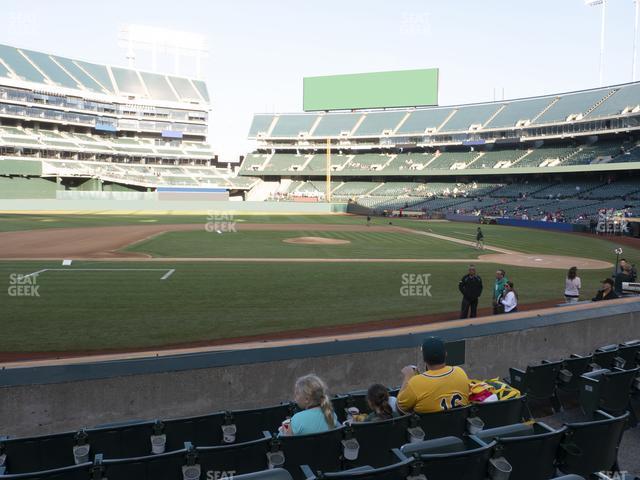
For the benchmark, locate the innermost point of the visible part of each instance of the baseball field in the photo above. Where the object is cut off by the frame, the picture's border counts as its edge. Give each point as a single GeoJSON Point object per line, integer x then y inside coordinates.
{"type": "Point", "coordinates": [144, 281]}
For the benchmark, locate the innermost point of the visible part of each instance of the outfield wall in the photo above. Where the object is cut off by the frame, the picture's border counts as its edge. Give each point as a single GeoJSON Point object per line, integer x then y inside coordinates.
{"type": "Point", "coordinates": [64, 395]}
{"type": "Point", "coordinates": [149, 203]}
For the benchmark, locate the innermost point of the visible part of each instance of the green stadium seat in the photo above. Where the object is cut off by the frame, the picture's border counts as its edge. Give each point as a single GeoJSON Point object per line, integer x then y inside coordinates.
{"type": "Point", "coordinates": [592, 446]}
{"type": "Point", "coordinates": [377, 439]}
{"type": "Point", "coordinates": [530, 449]}
{"type": "Point", "coordinates": [320, 451]}
{"type": "Point", "coordinates": [607, 390]}
{"type": "Point", "coordinates": [503, 412]}
{"type": "Point", "coordinates": [452, 457]}
{"type": "Point", "coordinates": [403, 469]}
{"type": "Point", "coordinates": [538, 382]}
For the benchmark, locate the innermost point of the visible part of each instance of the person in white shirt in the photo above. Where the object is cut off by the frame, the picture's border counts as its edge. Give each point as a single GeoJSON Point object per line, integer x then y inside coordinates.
{"type": "Point", "coordinates": [572, 286]}
{"type": "Point", "coordinates": [509, 298]}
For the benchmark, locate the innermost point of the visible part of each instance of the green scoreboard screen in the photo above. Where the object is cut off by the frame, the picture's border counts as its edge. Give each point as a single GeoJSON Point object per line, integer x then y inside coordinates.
{"type": "Point", "coordinates": [407, 88]}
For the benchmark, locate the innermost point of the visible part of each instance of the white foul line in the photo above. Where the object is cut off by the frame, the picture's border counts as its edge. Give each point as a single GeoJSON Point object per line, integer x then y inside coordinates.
{"type": "Point", "coordinates": [168, 274]}
{"type": "Point", "coordinates": [164, 277]}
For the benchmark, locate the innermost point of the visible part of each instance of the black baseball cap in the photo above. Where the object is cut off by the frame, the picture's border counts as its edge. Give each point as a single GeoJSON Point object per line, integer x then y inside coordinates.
{"type": "Point", "coordinates": [434, 351]}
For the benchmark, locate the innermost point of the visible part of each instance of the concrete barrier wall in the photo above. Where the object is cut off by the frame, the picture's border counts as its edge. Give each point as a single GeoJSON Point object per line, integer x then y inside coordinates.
{"type": "Point", "coordinates": [40, 400]}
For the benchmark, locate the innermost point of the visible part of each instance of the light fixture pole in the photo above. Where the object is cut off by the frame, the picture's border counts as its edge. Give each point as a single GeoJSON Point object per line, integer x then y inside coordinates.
{"type": "Point", "coordinates": [593, 3]}
{"type": "Point", "coordinates": [635, 40]}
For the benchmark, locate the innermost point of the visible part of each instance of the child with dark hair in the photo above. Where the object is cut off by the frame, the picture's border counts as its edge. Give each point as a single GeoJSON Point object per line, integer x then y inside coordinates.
{"type": "Point", "coordinates": [378, 400]}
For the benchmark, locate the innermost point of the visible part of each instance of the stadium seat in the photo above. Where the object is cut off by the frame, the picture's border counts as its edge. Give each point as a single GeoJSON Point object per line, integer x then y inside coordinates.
{"type": "Point", "coordinates": [630, 353]}
{"type": "Point", "coordinates": [405, 468]}
{"type": "Point", "coordinates": [163, 466]}
{"type": "Point", "coordinates": [251, 423]}
{"type": "Point", "coordinates": [451, 457]}
{"type": "Point", "coordinates": [377, 439]}
{"type": "Point", "coordinates": [605, 357]}
{"type": "Point", "coordinates": [321, 451]}
{"type": "Point", "coordinates": [504, 412]}
{"type": "Point", "coordinates": [576, 365]}
{"type": "Point", "coordinates": [275, 474]}
{"type": "Point", "coordinates": [203, 430]}
{"type": "Point", "coordinates": [239, 458]}
{"type": "Point", "coordinates": [82, 471]}
{"type": "Point", "coordinates": [538, 382]}
{"type": "Point", "coordinates": [354, 399]}
{"type": "Point", "coordinates": [608, 390]}
{"type": "Point", "coordinates": [569, 378]}
{"type": "Point", "coordinates": [42, 453]}
{"type": "Point", "coordinates": [447, 423]}
{"type": "Point", "coordinates": [592, 446]}
{"type": "Point", "coordinates": [530, 449]}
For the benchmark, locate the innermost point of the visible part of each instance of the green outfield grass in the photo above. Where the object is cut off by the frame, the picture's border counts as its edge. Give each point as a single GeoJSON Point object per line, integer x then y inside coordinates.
{"type": "Point", "coordinates": [78, 310]}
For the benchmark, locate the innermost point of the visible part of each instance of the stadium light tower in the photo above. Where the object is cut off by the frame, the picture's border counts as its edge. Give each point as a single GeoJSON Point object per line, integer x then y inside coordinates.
{"type": "Point", "coordinates": [164, 41]}
{"type": "Point", "coordinates": [593, 3]}
{"type": "Point", "coordinates": [635, 41]}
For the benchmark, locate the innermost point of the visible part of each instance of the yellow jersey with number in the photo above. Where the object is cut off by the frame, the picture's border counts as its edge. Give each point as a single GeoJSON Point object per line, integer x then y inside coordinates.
{"type": "Point", "coordinates": [435, 390]}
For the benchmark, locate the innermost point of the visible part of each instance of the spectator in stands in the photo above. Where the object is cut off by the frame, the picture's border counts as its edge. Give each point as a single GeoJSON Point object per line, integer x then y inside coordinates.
{"type": "Point", "coordinates": [626, 275]}
{"type": "Point", "coordinates": [379, 403]}
{"type": "Point", "coordinates": [439, 388]}
{"type": "Point", "coordinates": [498, 290]}
{"type": "Point", "coordinates": [606, 292]}
{"type": "Point", "coordinates": [479, 239]}
{"type": "Point", "coordinates": [316, 415]}
{"type": "Point", "coordinates": [509, 299]}
{"type": "Point", "coordinates": [471, 288]}
{"type": "Point", "coordinates": [572, 286]}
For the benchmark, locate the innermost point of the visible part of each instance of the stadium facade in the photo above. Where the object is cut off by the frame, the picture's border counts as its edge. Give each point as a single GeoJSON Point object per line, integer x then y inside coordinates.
{"type": "Point", "coordinates": [571, 153]}
{"type": "Point", "coordinates": [74, 126]}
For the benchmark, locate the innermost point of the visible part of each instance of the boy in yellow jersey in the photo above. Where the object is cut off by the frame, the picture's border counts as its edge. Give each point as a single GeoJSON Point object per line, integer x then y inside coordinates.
{"type": "Point", "coordinates": [440, 388]}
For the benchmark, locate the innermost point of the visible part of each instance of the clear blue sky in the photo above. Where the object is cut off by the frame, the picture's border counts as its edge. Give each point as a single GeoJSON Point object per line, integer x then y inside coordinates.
{"type": "Point", "coordinates": [260, 50]}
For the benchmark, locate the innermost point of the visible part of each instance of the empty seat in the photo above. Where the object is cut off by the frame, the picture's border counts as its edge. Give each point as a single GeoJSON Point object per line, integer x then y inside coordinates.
{"type": "Point", "coordinates": [607, 390]}
{"type": "Point", "coordinates": [321, 451]}
{"type": "Point", "coordinates": [251, 423]}
{"type": "Point", "coordinates": [35, 454]}
{"type": "Point", "coordinates": [605, 356]}
{"type": "Point", "coordinates": [530, 449]}
{"type": "Point", "coordinates": [275, 474]}
{"type": "Point", "coordinates": [630, 353]}
{"type": "Point", "coordinates": [205, 430]}
{"type": "Point", "coordinates": [451, 422]}
{"type": "Point", "coordinates": [405, 468]}
{"type": "Point", "coordinates": [504, 412]}
{"type": "Point", "coordinates": [163, 466]}
{"type": "Point", "coordinates": [576, 365]}
{"type": "Point", "coordinates": [539, 382]}
{"type": "Point", "coordinates": [239, 458]}
{"type": "Point", "coordinates": [377, 439]}
{"type": "Point", "coordinates": [590, 447]}
{"type": "Point", "coordinates": [75, 472]}
{"type": "Point", "coordinates": [451, 457]}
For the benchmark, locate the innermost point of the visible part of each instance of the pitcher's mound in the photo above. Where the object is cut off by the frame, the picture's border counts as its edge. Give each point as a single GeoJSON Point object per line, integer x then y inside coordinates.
{"type": "Point", "coordinates": [315, 241]}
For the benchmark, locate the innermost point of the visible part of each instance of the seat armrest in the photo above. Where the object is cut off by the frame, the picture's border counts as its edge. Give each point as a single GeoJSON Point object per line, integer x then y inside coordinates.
{"type": "Point", "coordinates": [307, 472]}
{"type": "Point", "coordinates": [398, 454]}
{"type": "Point", "coordinates": [604, 415]}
